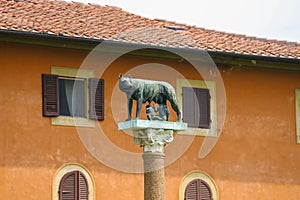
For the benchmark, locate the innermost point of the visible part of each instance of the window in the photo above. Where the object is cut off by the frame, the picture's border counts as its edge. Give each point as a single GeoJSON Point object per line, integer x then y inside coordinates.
{"type": "Point", "coordinates": [67, 90]}
{"type": "Point", "coordinates": [73, 182]}
{"type": "Point", "coordinates": [197, 100]}
{"type": "Point", "coordinates": [73, 186]}
{"type": "Point", "coordinates": [197, 190]}
{"type": "Point", "coordinates": [68, 98]}
{"type": "Point", "coordinates": [198, 185]}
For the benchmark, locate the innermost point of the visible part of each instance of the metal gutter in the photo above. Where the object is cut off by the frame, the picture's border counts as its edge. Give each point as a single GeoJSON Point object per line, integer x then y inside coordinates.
{"type": "Point", "coordinates": [255, 57]}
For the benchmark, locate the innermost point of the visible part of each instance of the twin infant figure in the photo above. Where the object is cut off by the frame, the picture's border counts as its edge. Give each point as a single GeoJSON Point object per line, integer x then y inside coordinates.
{"type": "Point", "coordinates": [160, 113]}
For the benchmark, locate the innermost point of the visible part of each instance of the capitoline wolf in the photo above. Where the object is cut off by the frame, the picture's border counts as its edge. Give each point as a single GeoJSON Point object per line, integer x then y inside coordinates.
{"type": "Point", "coordinates": [143, 91]}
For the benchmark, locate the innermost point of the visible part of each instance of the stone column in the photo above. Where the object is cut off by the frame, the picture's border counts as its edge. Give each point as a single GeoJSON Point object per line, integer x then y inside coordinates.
{"type": "Point", "coordinates": [154, 177]}
{"type": "Point", "coordinates": [153, 136]}
{"type": "Point", "coordinates": [153, 140]}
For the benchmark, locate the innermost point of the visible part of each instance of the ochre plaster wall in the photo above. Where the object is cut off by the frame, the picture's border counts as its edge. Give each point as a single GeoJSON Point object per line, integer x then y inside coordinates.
{"type": "Point", "coordinates": [256, 156]}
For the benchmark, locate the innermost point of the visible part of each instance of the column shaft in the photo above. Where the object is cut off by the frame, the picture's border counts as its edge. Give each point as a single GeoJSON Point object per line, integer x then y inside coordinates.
{"type": "Point", "coordinates": [154, 178]}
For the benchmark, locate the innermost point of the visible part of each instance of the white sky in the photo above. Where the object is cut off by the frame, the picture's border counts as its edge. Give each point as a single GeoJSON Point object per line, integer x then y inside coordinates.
{"type": "Point", "coordinates": [273, 19]}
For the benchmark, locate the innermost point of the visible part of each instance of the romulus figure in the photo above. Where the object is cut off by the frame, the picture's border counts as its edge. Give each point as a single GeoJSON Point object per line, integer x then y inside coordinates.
{"type": "Point", "coordinates": [162, 112]}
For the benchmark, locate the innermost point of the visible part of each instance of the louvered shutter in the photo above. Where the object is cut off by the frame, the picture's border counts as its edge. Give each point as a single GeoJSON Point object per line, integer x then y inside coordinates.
{"type": "Point", "coordinates": [73, 186]}
{"type": "Point", "coordinates": [191, 192]}
{"type": "Point", "coordinates": [205, 192]}
{"type": "Point", "coordinates": [68, 188]}
{"type": "Point", "coordinates": [203, 97]}
{"type": "Point", "coordinates": [198, 190]}
{"type": "Point", "coordinates": [96, 98]}
{"type": "Point", "coordinates": [190, 107]}
{"type": "Point", "coordinates": [196, 107]}
{"type": "Point", "coordinates": [50, 95]}
{"type": "Point", "coordinates": [83, 187]}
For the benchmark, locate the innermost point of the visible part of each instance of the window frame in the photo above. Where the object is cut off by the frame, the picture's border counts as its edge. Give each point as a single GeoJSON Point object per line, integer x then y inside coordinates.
{"type": "Point", "coordinates": [198, 175]}
{"type": "Point", "coordinates": [71, 120]}
{"type": "Point", "coordinates": [85, 85]}
{"type": "Point", "coordinates": [212, 131]}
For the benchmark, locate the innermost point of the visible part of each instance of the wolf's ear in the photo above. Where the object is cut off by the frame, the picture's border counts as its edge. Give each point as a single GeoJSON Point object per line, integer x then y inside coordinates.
{"type": "Point", "coordinates": [120, 76]}
{"type": "Point", "coordinates": [130, 78]}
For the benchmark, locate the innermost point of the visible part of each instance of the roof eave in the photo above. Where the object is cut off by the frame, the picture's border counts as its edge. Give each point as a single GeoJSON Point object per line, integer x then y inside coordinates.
{"type": "Point", "coordinates": [221, 58]}
{"type": "Point", "coordinates": [247, 60]}
{"type": "Point", "coordinates": [48, 40]}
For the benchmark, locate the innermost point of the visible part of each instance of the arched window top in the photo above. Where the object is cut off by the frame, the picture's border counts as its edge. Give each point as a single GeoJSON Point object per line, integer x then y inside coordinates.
{"type": "Point", "coordinates": [73, 186]}
{"type": "Point", "coordinates": [197, 189]}
{"type": "Point", "coordinates": [73, 181]}
{"type": "Point", "coordinates": [198, 185]}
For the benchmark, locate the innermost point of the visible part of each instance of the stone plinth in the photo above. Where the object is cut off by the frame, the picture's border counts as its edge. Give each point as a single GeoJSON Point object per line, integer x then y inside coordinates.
{"type": "Point", "coordinates": [143, 124]}
{"type": "Point", "coordinates": [153, 136]}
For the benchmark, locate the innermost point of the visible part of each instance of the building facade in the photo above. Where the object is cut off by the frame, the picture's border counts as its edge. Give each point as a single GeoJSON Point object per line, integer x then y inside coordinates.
{"type": "Point", "coordinates": [251, 113]}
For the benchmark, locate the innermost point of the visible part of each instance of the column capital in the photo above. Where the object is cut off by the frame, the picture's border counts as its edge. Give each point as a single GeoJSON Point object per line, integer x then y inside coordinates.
{"type": "Point", "coordinates": [153, 140]}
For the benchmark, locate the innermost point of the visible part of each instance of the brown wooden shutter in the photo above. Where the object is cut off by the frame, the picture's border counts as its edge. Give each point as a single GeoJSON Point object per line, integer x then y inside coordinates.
{"type": "Point", "coordinates": [83, 187]}
{"type": "Point", "coordinates": [189, 106]}
{"type": "Point", "coordinates": [191, 192]}
{"type": "Point", "coordinates": [196, 107]}
{"type": "Point", "coordinates": [96, 98]}
{"type": "Point", "coordinates": [67, 187]}
{"type": "Point", "coordinates": [205, 191]}
{"type": "Point", "coordinates": [50, 95]}
{"type": "Point", "coordinates": [73, 186]}
{"type": "Point", "coordinates": [203, 97]}
{"type": "Point", "coordinates": [198, 190]}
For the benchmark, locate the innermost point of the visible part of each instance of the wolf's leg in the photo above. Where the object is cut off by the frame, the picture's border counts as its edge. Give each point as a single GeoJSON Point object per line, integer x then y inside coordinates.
{"type": "Point", "coordinates": [175, 107]}
{"type": "Point", "coordinates": [138, 108]}
{"type": "Point", "coordinates": [129, 100]}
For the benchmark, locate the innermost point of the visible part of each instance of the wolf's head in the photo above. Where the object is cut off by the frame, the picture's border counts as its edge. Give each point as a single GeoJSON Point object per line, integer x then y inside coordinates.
{"type": "Point", "coordinates": [125, 84]}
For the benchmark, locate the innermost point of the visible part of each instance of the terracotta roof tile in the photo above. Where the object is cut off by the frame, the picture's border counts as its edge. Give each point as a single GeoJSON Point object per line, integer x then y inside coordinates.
{"type": "Point", "coordinates": [56, 17]}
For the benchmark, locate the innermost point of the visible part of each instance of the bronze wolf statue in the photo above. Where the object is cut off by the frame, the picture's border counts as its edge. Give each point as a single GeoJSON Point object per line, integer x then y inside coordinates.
{"type": "Point", "coordinates": [143, 91]}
